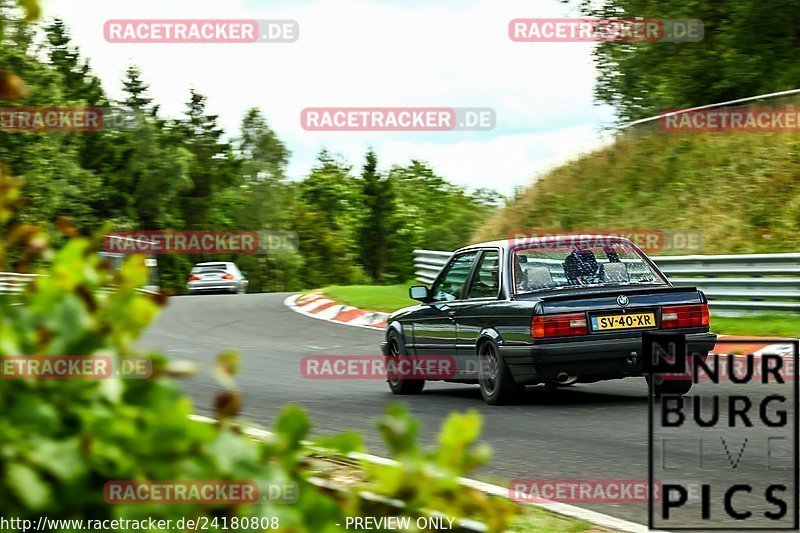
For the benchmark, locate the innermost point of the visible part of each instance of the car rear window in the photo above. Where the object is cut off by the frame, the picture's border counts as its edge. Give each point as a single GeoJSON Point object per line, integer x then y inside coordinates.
{"type": "Point", "coordinates": [552, 266]}
{"type": "Point", "coordinates": [209, 268]}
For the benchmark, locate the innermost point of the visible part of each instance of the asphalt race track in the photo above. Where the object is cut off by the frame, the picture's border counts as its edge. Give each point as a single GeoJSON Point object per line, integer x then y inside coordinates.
{"type": "Point", "coordinates": [590, 431]}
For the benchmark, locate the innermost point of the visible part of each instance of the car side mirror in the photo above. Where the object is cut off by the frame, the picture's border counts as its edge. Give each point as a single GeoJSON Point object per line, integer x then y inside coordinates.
{"type": "Point", "coordinates": [244, 273]}
{"type": "Point", "coordinates": [419, 292]}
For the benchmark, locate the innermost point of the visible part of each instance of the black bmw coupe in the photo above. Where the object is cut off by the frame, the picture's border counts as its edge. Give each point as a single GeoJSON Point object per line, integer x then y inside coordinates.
{"type": "Point", "coordinates": [552, 310]}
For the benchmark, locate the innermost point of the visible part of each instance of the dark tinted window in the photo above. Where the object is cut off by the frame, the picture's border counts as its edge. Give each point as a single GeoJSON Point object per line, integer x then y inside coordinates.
{"type": "Point", "coordinates": [486, 282]}
{"type": "Point", "coordinates": [217, 267]}
{"type": "Point", "coordinates": [452, 282]}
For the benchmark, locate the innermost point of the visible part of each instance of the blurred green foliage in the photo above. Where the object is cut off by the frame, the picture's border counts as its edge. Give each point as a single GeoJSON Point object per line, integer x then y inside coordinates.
{"type": "Point", "coordinates": [428, 479]}
{"type": "Point", "coordinates": [61, 440]}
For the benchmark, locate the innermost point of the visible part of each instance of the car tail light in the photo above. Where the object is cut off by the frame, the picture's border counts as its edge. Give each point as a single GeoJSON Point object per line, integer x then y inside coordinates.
{"type": "Point", "coordinates": [684, 316]}
{"type": "Point", "coordinates": [543, 326]}
{"type": "Point", "coordinates": [194, 278]}
{"type": "Point", "coordinates": [227, 276]}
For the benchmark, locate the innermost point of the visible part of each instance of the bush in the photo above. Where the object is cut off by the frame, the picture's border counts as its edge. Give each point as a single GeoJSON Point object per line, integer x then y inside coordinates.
{"type": "Point", "coordinates": [62, 440]}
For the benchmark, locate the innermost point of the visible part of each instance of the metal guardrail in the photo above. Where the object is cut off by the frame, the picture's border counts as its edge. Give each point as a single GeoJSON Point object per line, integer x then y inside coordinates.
{"type": "Point", "coordinates": [765, 96]}
{"type": "Point", "coordinates": [15, 283]}
{"type": "Point", "coordinates": [734, 284]}
{"type": "Point", "coordinates": [428, 263]}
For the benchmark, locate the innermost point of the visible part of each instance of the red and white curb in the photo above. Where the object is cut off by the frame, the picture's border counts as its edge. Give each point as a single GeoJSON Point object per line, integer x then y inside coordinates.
{"type": "Point", "coordinates": [757, 346]}
{"type": "Point", "coordinates": [315, 305]}
{"type": "Point", "coordinates": [570, 511]}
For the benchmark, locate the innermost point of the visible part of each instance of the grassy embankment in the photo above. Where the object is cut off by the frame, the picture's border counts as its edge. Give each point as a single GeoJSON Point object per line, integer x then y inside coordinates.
{"type": "Point", "coordinates": [741, 190]}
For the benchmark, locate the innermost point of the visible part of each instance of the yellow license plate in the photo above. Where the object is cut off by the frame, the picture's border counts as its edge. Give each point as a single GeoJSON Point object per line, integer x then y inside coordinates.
{"type": "Point", "coordinates": [629, 321]}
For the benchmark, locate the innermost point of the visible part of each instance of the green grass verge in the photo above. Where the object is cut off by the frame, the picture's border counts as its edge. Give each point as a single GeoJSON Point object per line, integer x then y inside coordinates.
{"type": "Point", "coordinates": [541, 521]}
{"type": "Point", "coordinates": [389, 298]}
{"type": "Point", "coordinates": [766, 325]}
{"type": "Point", "coordinates": [386, 298]}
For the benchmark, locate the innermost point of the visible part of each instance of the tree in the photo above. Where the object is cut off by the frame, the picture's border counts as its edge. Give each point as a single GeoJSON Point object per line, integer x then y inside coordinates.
{"type": "Point", "coordinates": [262, 148]}
{"type": "Point", "coordinates": [377, 229]}
{"type": "Point", "coordinates": [428, 196]}
{"type": "Point", "coordinates": [264, 198]}
{"type": "Point", "coordinates": [213, 167]}
{"type": "Point", "coordinates": [332, 192]}
{"type": "Point", "coordinates": [749, 47]}
{"type": "Point", "coordinates": [12, 85]}
{"type": "Point", "coordinates": [78, 83]}
{"type": "Point", "coordinates": [136, 90]}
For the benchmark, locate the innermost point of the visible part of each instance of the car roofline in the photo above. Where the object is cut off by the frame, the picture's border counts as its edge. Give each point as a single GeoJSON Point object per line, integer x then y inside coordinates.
{"type": "Point", "coordinates": [528, 242]}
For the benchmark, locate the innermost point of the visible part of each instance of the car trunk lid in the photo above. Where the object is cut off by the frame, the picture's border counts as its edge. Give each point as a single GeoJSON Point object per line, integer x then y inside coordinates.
{"type": "Point", "coordinates": [620, 309]}
{"type": "Point", "coordinates": [605, 298]}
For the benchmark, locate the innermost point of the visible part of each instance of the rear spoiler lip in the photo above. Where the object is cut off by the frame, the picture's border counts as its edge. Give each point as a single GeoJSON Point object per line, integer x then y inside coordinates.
{"type": "Point", "coordinates": [617, 292]}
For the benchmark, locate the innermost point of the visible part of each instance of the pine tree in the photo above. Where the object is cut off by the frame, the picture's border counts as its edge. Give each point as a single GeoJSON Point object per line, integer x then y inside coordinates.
{"type": "Point", "coordinates": [376, 227]}
{"type": "Point", "coordinates": [214, 166]}
{"type": "Point", "coordinates": [136, 90]}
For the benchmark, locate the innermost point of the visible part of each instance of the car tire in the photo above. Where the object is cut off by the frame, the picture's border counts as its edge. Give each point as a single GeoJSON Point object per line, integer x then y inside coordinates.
{"type": "Point", "coordinates": [678, 387]}
{"type": "Point", "coordinates": [395, 349]}
{"type": "Point", "coordinates": [494, 378]}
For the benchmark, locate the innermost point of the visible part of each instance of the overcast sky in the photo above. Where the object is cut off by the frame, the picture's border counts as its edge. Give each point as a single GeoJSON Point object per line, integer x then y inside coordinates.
{"type": "Point", "coordinates": [450, 53]}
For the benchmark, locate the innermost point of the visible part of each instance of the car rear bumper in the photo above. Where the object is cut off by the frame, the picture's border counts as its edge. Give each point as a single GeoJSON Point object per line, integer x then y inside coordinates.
{"type": "Point", "coordinates": [224, 285]}
{"type": "Point", "coordinates": [591, 360]}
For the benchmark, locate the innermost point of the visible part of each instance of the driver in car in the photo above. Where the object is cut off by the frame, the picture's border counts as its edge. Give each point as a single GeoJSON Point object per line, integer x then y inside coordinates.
{"type": "Point", "coordinates": [580, 267]}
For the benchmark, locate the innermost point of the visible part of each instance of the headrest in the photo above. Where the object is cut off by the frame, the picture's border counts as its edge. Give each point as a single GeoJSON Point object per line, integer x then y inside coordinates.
{"type": "Point", "coordinates": [615, 273]}
{"type": "Point", "coordinates": [538, 277]}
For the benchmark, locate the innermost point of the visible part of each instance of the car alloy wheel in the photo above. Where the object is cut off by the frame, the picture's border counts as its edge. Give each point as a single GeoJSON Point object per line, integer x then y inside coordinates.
{"type": "Point", "coordinates": [393, 355]}
{"type": "Point", "coordinates": [488, 368]}
{"type": "Point", "coordinates": [494, 377]}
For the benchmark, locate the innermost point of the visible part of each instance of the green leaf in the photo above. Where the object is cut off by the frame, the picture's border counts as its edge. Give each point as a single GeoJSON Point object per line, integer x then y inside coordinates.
{"type": "Point", "coordinates": [229, 449]}
{"type": "Point", "coordinates": [28, 486]}
{"type": "Point", "coordinates": [293, 423]}
{"type": "Point", "coordinates": [61, 459]}
{"type": "Point", "coordinates": [342, 443]}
